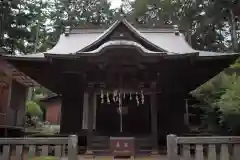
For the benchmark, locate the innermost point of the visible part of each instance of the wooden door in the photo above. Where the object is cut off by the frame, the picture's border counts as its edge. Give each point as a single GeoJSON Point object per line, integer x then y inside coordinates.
{"type": "Point", "coordinates": [137, 122]}
{"type": "Point", "coordinates": [107, 119]}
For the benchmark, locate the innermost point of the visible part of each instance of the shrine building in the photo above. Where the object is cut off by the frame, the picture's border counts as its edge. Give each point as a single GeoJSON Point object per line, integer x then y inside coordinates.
{"type": "Point", "coordinates": [122, 81]}
{"type": "Point", "coordinates": [13, 94]}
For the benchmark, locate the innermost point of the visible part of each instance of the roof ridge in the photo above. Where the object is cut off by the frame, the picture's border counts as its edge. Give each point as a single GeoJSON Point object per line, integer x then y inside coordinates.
{"type": "Point", "coordinates": [102, 28]}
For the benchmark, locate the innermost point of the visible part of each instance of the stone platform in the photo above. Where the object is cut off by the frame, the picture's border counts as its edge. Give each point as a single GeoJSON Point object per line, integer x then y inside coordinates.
{"type": "Point", "coordinates": [157, 157]}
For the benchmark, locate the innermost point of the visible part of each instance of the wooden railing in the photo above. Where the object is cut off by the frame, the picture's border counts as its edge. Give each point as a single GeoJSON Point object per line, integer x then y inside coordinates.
{"type": "Point", "coordinates": [203, 148]}
{"type": "Point", "coordinates": [27, 148]}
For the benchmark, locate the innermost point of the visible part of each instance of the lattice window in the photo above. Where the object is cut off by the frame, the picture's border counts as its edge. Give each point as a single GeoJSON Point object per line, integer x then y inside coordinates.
{"type": "Point", "coordinates": [192, 116]}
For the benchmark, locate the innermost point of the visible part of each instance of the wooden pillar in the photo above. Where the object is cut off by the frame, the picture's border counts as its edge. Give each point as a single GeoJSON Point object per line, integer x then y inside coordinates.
{"type": "Point", "coordinates": [172, 147]}
{"type": "Point", "coordinates": [90, 117]}
{"type": "Point", "coordinates": [186, 115]}
{"type": "Point", "coordinates": [85, 111]}
{"type": "Point", "coordinates": [154, 129]}
{"type": "Point", "coordinates": [72, 104]}
{"type": "Point", "coordinates": [94, 111]}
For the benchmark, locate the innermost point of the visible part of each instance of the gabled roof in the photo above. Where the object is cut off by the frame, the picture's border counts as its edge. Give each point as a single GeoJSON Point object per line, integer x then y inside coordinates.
{"type": "Point", "coordinates": [51, 97]}
{"type": "Point", "coordinates": [78, 41]}
{"type": "Point", "coordinates": [11, 72]}
{"type": "Point", "coordinates": [161, 39]}
{"type": "Point", "coordinates": [113, 28]}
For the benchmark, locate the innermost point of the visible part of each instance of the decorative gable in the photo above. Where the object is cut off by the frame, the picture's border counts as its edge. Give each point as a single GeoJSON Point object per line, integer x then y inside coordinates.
{"type": "Point", "coordinates": [122, 31]}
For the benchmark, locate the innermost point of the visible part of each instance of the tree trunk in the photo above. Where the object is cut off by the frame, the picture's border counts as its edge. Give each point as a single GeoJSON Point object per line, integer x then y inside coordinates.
{"type": "Point", "coordinates": [1, 22]}
{"type": "Point", "coordinates": [189, 37]}
{"type": "Point", "coordinates": [233, 31]}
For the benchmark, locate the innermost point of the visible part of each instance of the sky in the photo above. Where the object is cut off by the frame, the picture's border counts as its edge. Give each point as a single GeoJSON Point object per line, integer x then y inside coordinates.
{"type": "Point", "coordinates": [115, 3]}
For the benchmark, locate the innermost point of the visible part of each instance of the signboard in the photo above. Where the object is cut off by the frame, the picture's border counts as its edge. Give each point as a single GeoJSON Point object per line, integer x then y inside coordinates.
{"type": "Point", "coordinates": [122, 146]}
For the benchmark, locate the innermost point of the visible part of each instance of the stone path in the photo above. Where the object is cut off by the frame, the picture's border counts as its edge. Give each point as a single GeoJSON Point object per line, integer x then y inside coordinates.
{"type": "Point", "coordinates": [160, 157]}
{"type": "Point", "coordinates": [84, 157]}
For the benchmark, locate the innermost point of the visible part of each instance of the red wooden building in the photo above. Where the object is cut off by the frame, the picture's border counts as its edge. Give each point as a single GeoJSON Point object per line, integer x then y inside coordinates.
{"type": "Point", "coordinates": [13, 93]}
{"type": "Point", "coordinates": [122, 81]}
{"type": "Point", "coordinates": [52, 106]}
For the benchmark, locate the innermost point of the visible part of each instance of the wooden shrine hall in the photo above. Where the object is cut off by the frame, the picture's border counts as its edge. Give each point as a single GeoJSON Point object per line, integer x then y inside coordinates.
{"type": "Point", "coordinates": [122, 81]}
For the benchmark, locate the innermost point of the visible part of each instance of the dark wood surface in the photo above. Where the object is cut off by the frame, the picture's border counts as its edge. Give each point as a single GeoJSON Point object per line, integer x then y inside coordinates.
{"type": "Point", "coordinates": [122, 146]}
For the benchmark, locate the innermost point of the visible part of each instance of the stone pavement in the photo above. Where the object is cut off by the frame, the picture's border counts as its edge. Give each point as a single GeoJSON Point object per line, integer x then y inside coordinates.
{"type": "Point", "coordinates": [159, 157]}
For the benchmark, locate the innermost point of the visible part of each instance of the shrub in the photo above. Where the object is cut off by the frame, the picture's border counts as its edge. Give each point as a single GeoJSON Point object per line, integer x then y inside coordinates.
{"type": "Point", "coordinates": [229, 105]}
{"type": "Point", "coordinates": [222, 95]}
{"type": "Point", "coordinates": [44, 158]}
{"type": "Point", "coordinates": [34, 109]}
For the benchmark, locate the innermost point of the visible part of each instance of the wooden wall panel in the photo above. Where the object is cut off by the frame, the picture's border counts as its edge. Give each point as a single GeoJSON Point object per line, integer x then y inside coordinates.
{"type": "Point", "coordinates": [5, 86]}
{"type": "Point", "coordinates": [171, 109]}
{"type": "Point", "coordinates": [16, 110]}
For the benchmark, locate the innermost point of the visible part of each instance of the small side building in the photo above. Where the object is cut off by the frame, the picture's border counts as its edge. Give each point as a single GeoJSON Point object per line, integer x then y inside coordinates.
{"type": "Point", "coordinates": [52, 106]}
{"type": "Point", "coordinates": [13, 94]}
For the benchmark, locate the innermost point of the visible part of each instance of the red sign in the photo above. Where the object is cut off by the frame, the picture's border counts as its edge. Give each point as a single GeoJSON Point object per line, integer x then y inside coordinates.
{"type": "Point", "coordinates": [122, 146]}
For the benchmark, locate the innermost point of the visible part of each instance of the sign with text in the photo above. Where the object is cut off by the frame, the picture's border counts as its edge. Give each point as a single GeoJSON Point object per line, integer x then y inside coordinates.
{"type": "Point", "coordinates": [122, 146]}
